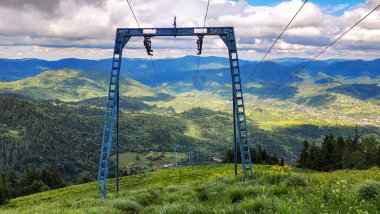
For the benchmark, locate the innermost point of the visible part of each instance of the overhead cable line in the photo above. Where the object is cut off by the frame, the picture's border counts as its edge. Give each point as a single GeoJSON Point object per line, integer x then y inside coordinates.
{"type": "Point", "coordinates": [151, 58]}
{"type": "Point", "coordinates": [156, 76]}
{"type": "Point", "coordinates": [327, 47]}
{"type": "Point", "coordinates": [199, 56]}
{"type": "Point", "coordinates": [275, 42]}
{"type": "Point", "coordinates": [130, 6]}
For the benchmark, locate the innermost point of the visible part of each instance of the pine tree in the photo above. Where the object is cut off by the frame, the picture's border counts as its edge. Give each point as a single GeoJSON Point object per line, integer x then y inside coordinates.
{"type": "Point", "coordinates": [327, 152]}
{"type": "Point", "coordinates": [303, 160]}
{"type": "Point", "coordinates": [338, 153]}
{"type": "Point", "coordinates": [314, 158]}
{"type": "Point", "coordinates": [370, 147]}
{"type": "Point", "coordinates": [347, 157]}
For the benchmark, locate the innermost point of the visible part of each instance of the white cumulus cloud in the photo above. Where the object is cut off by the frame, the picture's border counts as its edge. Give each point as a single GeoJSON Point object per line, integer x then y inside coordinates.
{"type": "Point", "coordinates": [54, 29]}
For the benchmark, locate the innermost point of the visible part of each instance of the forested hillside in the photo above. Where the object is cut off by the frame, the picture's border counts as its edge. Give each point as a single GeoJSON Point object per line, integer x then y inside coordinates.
{"type": "Point", "coordinates": [54, 118]}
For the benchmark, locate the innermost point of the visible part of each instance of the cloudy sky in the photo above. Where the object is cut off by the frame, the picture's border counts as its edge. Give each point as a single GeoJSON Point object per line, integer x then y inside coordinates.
{"type": "Point", "coordinates": [55, 29]}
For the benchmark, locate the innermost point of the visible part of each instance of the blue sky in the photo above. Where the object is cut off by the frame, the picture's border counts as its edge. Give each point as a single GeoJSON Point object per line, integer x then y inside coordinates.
{"type": "Point", "coordinates": [320, 2]}
{"type": "Point", "coordinates": [324, 3]}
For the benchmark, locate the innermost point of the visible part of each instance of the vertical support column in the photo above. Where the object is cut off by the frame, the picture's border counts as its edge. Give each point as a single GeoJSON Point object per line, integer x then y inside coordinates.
{"type": "Point", "coordinates": [123, 41]}
{"type": "Point", "coordinates": [112, 111]}
{"type": "Point", "coordinates": [240, 123]}
{"type": "Point", "coordinates": [117, 140]}
{"type": "Point", "coordinates": [235, 142]}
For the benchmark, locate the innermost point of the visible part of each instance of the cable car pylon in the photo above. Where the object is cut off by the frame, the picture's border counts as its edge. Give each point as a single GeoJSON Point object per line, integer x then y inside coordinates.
{"type": "Point", "coordinates": [123, 35]}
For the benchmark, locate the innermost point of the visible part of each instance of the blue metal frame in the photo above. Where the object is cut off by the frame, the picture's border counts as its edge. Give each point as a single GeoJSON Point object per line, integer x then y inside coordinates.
{"type": "Point", "coordinates": [112, 108]}
{"type": "Point", "coordinates": [189, 154]}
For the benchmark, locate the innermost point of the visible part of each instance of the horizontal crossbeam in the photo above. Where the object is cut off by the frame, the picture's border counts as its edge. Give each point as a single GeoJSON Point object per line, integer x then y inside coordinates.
{"type": "Point", "coordinates": [207, 31]}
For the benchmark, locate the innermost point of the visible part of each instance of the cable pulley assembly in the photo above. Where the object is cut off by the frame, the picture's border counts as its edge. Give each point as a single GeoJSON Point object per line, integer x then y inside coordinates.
{"type": "Point", "coordinates": [199, 44]}
{"type": "Point", "coordinates": [148, 45]}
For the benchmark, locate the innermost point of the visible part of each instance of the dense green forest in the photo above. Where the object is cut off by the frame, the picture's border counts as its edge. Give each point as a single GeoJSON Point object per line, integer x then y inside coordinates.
{"type": "Point", "coordinates": [36, 133]}
{"type": "Point", "coordinates": [334, 154]}
{"type": "Point", "coordinates": [259, 155]}
{"type": "Point", "coordinates": [13, 184]}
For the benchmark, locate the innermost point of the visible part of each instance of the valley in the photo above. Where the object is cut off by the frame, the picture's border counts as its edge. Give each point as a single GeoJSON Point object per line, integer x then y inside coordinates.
{"type": "Point", "coordinates": [74, 98]}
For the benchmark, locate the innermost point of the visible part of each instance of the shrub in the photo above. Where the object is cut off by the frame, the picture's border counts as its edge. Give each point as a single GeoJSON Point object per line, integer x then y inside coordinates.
{"type": "Point", "coordinates": [172, 188]}
{"type": "Point", "coordinates": [274, 178]}
{"type": "Point", "coordinates": [202, 194]}
{"type": "Point", "coordinates": [236, 194]}
{"type": "Point", "coordinates": [175, 208]}
{"type": "Point", "coordinates": [369, 191]}
{"type": "Point", "coordinates": [278, 190]}
{"type": "Point", "coordinates": [126, 205]}
{"type": "Point", "coordinates": [148, 197]}
{"type": "Point", "coordinates": [145, 198]}
{"type": "Point", "coordinates": [258, 205]}
{"type": "Point", "coordinates": [296, 181]}
{"type": "Point", "coordinates": [253, 205]}
{"type": "Point", "coordinates": [200, 209]}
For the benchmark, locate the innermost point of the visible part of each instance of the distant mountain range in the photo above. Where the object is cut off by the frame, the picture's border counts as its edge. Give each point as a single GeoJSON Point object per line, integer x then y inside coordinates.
{"type": "Point", "coordinates": [84, 79]}
{"type": "Point", "coordinates": [15, 69]}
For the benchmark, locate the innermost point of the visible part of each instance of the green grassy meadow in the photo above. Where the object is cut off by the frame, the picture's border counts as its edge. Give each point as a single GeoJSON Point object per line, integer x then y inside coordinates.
{"type": "Point", "coordinates": [148, 161]}
{"type": "Point", "coordinates": [214, 189]}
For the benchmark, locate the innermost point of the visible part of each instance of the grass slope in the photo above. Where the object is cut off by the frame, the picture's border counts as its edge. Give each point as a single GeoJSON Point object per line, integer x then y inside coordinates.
{"type": "Point", "coordinates": [148, 161]}
{"type": "Point", "coordinates": [214, 189]}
